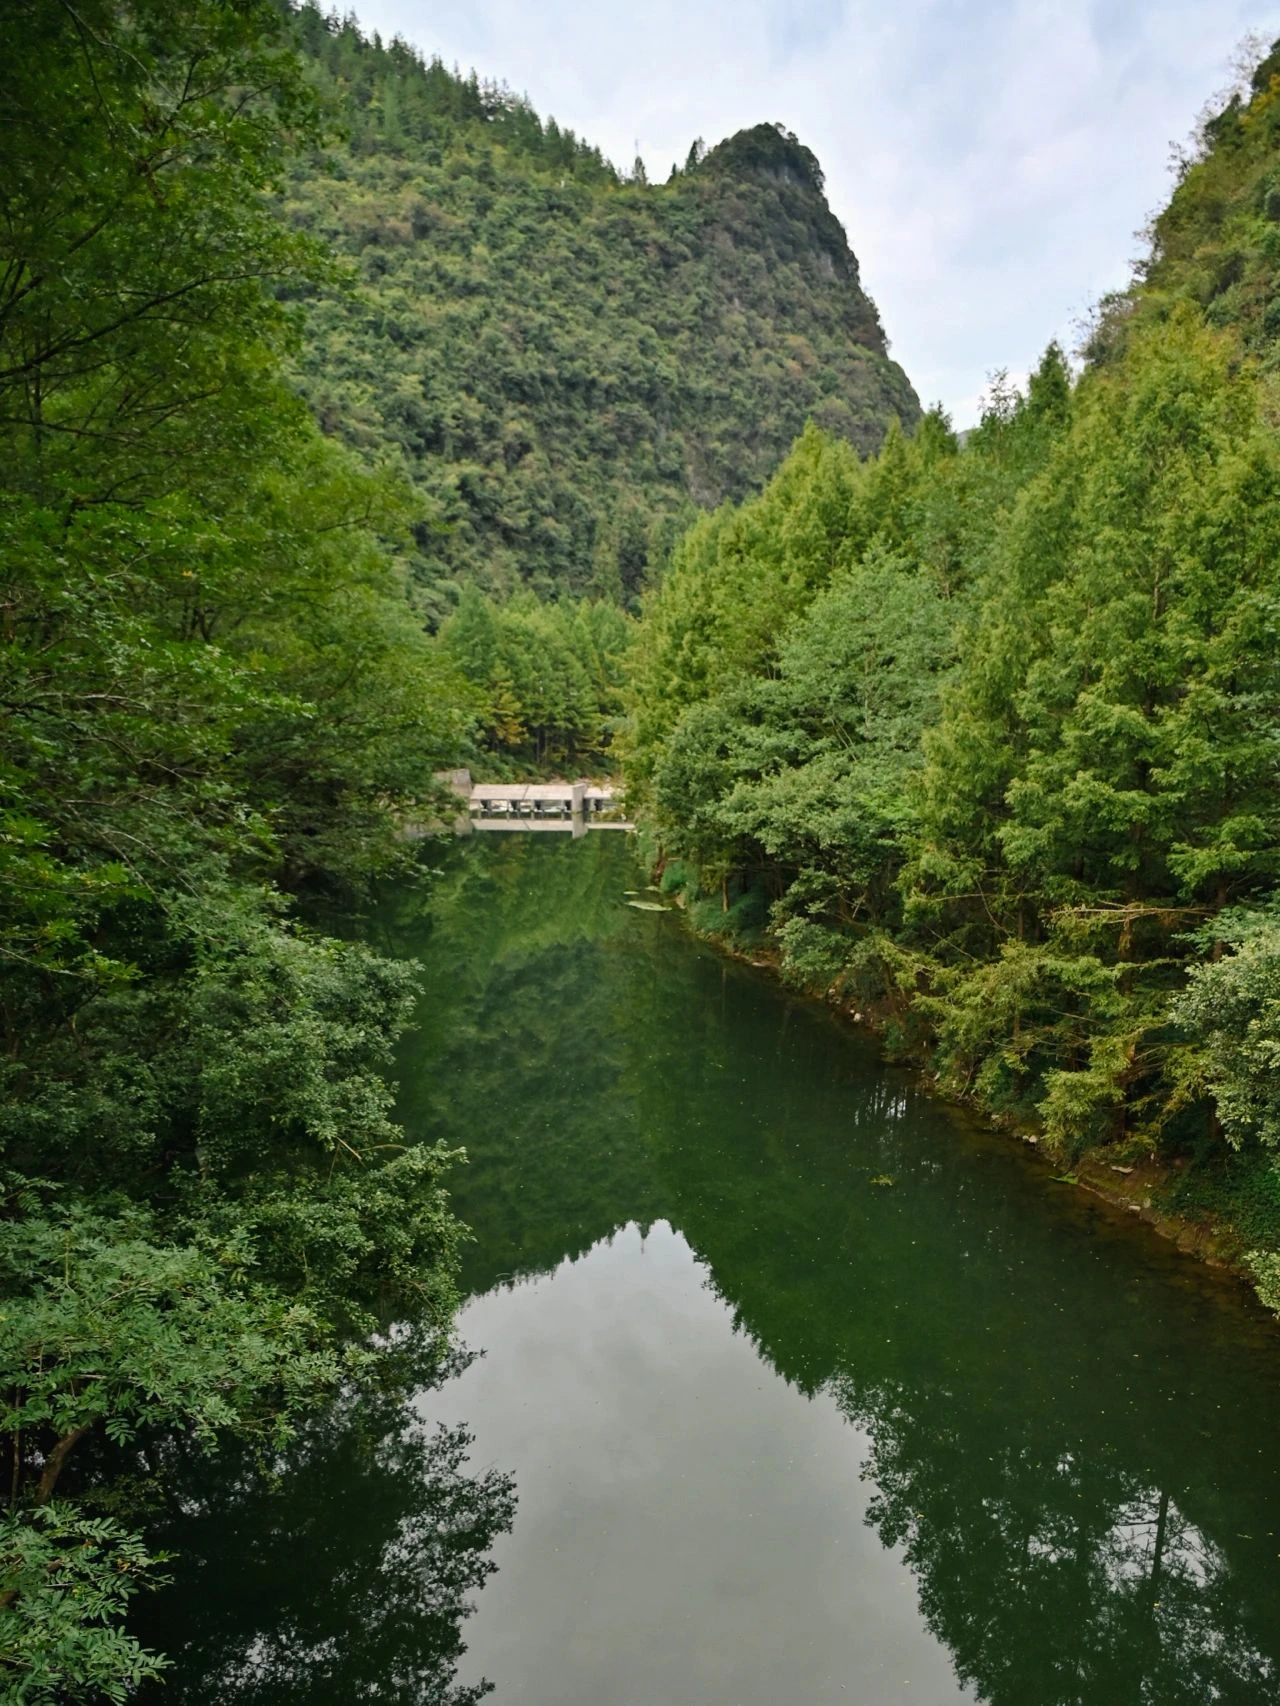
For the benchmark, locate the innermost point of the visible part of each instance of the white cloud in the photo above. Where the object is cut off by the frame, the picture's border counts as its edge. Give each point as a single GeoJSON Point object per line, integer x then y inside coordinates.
{"type": "Point", "coordinates": [992, 160]}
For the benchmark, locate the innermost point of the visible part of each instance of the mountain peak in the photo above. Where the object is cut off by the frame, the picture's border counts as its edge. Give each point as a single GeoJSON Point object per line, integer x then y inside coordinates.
{"type": "Point", "coordinates": [768, 167]}
{"type": "Point", "coordinates": [768, 151]}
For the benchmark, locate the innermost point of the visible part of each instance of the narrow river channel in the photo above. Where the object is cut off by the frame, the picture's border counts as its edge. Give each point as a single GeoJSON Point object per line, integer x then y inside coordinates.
{"type": "Point", "coordinates": [808, 1392]}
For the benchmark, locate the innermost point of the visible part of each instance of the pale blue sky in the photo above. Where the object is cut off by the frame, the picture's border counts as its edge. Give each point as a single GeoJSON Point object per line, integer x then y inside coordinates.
{"type": "Point", "coordinates": [991, 160]}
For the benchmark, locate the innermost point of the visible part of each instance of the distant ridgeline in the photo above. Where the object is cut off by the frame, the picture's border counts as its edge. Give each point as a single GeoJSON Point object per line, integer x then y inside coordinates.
{"type": "Point", "coordinates": [571, 363]}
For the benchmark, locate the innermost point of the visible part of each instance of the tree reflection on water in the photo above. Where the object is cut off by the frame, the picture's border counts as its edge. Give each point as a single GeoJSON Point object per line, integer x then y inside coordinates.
{"type": "Point", "coordinates": [1068, 1440]}
{"type": "Point", "coordinates": [341, 1572]}
{"type": "Point", "coordinates": [1051, 1579]}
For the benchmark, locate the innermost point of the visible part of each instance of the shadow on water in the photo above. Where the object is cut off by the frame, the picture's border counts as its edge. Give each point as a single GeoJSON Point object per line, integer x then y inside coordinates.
{"type": "Point", "coordinates": [1064, 1430]}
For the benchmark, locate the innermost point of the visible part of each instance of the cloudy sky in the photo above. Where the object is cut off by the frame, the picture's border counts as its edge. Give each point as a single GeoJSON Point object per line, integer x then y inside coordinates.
{"type": "Point", "coordinates": [992, 160]}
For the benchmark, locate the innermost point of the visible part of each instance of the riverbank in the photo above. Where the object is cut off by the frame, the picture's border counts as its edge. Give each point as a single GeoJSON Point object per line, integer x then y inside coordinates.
{"type": "Point", "coordinates": [1224, 1216]}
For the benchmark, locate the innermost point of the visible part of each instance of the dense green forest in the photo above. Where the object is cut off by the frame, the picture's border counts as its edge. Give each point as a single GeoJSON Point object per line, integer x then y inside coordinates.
{"type": "Point", "coordinates": [984, 738]}
{"type": "Point", "coordinates": [545, 678]}
{"type": "Point", "coordinates": [217, 692]}
{"type": "Point", "coordinates": [566, 362]}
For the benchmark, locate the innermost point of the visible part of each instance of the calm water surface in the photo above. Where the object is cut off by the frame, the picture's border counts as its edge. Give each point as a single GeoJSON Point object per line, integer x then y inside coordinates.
{"type": "Point", "coordinates": [809, 1393]}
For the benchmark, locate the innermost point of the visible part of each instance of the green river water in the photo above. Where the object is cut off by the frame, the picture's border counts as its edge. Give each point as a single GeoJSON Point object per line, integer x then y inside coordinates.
{"type": "Point", "coordinates": [792, 1389]}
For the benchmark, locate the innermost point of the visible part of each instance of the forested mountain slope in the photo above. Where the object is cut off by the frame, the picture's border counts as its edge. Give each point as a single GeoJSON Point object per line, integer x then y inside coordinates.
{"type": "Point", "coordinates": [985, 738]}
{"type": "Point", "coordinates": [1217, 243]}
{"type": "Point", "coordinates": [569, 363]}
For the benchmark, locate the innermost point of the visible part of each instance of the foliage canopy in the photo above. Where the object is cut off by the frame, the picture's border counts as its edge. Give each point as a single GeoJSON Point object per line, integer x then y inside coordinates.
{"type": "Point", "coordinates": [216, 690]}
